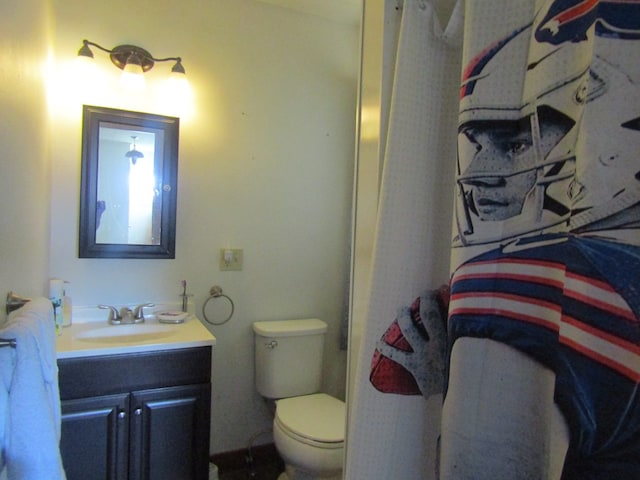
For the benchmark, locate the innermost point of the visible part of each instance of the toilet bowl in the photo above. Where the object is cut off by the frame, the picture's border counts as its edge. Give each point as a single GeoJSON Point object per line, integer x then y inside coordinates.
{"type": "Point", "coordinates": [308, 427]}
{"type": "Point", "coordinates": [309, 435]}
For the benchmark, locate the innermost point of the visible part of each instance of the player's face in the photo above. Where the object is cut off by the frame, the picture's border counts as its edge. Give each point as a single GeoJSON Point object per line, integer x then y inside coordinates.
{"type": "Point", "coordinates": [501, 171]}
{"type": "Point", "coordinates": [501, 165]}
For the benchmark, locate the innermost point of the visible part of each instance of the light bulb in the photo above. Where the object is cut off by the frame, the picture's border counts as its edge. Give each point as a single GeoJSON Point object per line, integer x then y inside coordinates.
{"type": "Point", "coordinates": [179, 87]}
{"type": "Point", "coordinates": [85, 68]}
{"type": "Point", "coordinates": [132, 77]}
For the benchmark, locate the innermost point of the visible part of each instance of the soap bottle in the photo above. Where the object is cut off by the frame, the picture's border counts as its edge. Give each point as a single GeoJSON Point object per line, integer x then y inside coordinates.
{"type": "Point", "coordinates": [66, 306]}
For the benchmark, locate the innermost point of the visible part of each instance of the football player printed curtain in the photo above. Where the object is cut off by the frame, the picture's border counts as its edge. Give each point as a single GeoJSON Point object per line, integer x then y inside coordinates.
{"type": "Point", "coordinates": [533, 350]}
{"type": "Point", "coordinates": [544, 312]}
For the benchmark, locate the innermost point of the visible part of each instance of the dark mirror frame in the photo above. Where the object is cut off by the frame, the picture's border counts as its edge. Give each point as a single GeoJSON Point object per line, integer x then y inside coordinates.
{"type": "Point", "coordinates": [92, 117]}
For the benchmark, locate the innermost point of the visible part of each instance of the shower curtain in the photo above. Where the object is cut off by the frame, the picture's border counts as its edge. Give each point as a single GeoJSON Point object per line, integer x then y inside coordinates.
{"type": "Point", "coordinates": [542, 364]}
{"type": "Point", "coordinates": [391, 426]}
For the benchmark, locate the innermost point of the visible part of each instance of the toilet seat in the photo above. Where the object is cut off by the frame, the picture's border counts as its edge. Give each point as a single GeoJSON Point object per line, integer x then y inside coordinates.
{"type": "Point", "coordinates": [317, 420]}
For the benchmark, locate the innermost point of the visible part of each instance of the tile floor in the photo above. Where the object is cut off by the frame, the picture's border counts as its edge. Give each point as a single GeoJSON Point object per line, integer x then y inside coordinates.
{"type": "Point", "coordinates": [266, 464]}
{"type": "Point", "coordinates": [258, 472]}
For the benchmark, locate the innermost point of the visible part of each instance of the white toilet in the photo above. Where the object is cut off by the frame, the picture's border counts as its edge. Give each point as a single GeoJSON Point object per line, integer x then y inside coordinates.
{"type": "Point", "coordinates": [309, 427]}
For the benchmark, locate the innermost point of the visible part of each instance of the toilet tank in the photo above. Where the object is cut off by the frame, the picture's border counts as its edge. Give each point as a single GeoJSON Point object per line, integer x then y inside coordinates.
{"type": "Point", "coordinates": [288, 357]}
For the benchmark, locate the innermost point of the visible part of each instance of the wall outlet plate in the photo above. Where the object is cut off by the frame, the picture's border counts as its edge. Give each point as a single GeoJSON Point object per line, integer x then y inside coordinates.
{"type": "Point", "coordinates": [230, 259]}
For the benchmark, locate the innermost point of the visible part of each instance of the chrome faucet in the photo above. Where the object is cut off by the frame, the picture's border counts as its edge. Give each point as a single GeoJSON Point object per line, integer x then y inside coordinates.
{"type": "Point", "coordinates": [114, 316]}
{"type": "Point", "coordinates": [125, 315]}
{"type": "Point", "coordinates": [138, 313]}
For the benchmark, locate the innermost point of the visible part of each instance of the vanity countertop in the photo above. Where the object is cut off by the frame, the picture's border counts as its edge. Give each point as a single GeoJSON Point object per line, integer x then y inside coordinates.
{"type": "Point", "coordinates": [100, 338]}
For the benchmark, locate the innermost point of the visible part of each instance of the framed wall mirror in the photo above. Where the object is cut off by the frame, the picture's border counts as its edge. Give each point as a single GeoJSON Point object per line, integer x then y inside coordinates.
{"type": "Point", "coordinates": [128, 186]}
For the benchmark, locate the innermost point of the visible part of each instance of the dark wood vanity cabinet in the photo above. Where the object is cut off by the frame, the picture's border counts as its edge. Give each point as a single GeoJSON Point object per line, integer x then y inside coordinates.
{"type": "Point", "coordinates": [141, 416]}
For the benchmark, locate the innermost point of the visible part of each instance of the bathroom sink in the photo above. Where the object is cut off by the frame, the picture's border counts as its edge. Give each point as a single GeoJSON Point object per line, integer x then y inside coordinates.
{"type": "Point", "coordinates": [88, 336]}
{"type": "Point", "coordinates": [140, 332]}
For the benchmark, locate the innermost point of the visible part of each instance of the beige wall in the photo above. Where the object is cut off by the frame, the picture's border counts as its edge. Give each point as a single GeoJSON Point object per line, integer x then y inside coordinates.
{"type": "Point", "coordinates": [24, 163]}
{"type": "Point", "coordinates": [266, 165]}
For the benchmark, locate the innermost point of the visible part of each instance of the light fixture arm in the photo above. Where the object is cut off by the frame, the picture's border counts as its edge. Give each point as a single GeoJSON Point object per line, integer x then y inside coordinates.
{"type": "Point", "coordinates": [123, 54]}
{"type": "Point", "coordinates": [85, 46]}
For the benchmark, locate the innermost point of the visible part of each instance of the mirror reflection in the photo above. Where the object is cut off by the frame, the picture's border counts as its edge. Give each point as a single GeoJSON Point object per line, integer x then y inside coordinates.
{"type": "Point", "coordinates": [128, 187]}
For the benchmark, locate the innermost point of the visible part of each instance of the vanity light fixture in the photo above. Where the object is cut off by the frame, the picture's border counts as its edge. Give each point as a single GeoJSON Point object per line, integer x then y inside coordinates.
{"type": "Point", "coordinates": [133, 61]}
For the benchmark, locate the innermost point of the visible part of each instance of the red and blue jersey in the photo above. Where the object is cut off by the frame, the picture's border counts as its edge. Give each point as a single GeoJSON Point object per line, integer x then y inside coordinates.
{"type": "Point", "coordinates": [572, 303]}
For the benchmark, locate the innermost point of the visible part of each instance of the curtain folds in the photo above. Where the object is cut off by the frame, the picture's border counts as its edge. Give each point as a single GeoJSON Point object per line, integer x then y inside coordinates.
{"type": "Point", "coordinates": [387, 431]}
{"type": "Point", "coordinates": [512, 175]}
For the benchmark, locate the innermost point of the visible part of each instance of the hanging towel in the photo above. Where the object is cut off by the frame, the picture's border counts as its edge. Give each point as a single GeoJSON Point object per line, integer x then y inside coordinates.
{"type": "Point", "coordinates": [30, 395]}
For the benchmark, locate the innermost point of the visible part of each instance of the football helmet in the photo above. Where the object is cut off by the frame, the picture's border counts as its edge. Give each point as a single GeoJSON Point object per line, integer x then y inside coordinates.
{"type": "Point", "coordinates": [605, 193]}
{"type": "Point", "coordinates": [521, 101]}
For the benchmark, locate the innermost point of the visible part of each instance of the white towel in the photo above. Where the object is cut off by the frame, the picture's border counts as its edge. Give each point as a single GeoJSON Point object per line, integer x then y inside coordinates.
{"type": "Point", "coordinates": [31, 443]}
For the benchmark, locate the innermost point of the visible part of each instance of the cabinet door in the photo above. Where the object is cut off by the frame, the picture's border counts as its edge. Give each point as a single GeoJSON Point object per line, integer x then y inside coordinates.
{"type": "Point", "coordinates": [170, 433]}
{"type": "Point", "coordinates": [94, 437]}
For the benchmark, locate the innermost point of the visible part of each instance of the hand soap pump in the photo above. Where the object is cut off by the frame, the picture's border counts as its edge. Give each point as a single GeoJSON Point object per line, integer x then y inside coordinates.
{"type": "Point", "coordinates": [56, 289]}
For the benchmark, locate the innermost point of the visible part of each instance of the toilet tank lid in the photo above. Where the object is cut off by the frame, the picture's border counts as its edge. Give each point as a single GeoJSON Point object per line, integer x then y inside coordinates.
{"type": "Point", "coordinates": [290, 328]}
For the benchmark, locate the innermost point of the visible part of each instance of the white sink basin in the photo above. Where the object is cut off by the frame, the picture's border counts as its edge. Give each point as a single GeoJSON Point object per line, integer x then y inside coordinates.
{"type": "Point", "coordinates": [140, 332]}
{"type": "Point", "coordinates": [94, 336]}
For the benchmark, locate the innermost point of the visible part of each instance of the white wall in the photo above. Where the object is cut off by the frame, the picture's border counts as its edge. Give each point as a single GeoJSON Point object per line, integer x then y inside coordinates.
{"type": "Point", "coordinates": [266, 165]}
{"type": "Point", "coordinates": [24, 164]}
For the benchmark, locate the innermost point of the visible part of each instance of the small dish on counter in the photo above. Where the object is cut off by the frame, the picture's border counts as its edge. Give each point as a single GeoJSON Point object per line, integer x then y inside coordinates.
{"type": "Point", "coordinates": [171, 316]}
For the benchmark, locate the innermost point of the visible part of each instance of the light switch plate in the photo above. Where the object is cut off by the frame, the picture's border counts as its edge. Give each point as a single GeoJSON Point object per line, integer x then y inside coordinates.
{"type": "Point", "coordinates": [230, 259]}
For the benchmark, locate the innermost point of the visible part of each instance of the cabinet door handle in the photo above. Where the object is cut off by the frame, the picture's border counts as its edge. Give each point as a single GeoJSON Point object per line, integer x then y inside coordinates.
{"type": "Point", "coordinates": [122, 414]}
{"type": "Point", "coordinates": [137, 411]}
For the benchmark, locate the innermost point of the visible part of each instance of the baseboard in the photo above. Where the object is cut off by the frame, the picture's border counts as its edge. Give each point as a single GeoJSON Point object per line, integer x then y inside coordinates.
{"type": "Point", "coordinates": [238, 459]}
